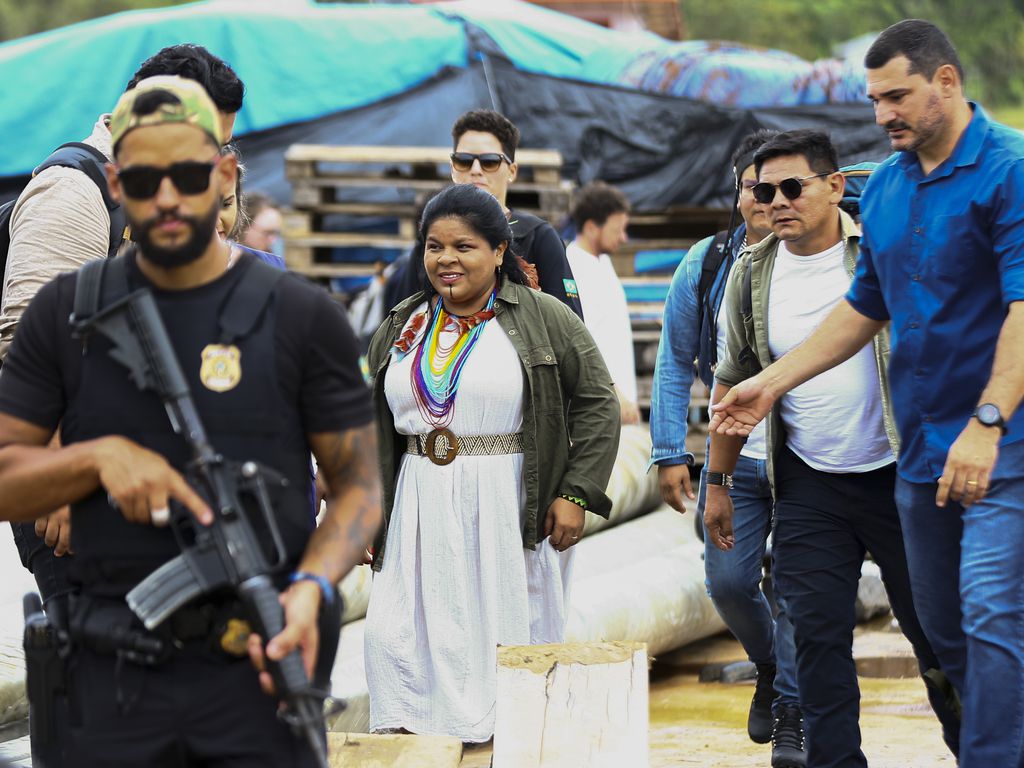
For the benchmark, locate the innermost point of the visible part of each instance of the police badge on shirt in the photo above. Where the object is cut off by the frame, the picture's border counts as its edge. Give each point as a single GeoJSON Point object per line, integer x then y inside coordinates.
{"type": "Point", "coordinates": [221, 369]}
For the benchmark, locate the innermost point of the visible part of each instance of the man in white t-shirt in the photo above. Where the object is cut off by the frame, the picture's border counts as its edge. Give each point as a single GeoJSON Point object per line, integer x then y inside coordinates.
{"type": "Point", "coordinates": [831, 442]}
{"type": "Point", "coordinates": [600, 214]}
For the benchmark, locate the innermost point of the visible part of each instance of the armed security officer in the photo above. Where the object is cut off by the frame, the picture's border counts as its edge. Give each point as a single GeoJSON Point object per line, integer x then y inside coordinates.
{"type": "Point", "coordinates": [288, 386]}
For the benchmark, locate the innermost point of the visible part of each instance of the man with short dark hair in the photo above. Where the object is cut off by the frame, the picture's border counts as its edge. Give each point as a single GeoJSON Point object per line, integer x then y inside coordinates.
{"type": "Point", "coordinates": [263, 231]}
{"type": "Point", "coordinates": [192, 699]}
{"type": "Point", "coordinates": [943, 263]}
{"type": "Point", "coordinates": [59, 223]}
{"type": "Point", "coordinates": [600, 214]}
{"type": "Point", "coordinates": [831, 443]}
{"type": "Point", "coordinates": [694, 330]}
{"type": "Point", "coordinates": [484, 146]}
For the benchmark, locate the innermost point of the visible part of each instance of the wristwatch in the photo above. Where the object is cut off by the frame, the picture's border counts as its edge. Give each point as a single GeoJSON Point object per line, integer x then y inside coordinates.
{"type": "Point", "coordinates": [719, 478]}
{"type": "Point", "coordinates": [988, 415]}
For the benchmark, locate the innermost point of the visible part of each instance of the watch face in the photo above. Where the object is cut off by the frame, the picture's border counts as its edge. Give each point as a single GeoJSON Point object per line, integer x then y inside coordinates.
{"type": "Point", "coordinates": [989, 415]}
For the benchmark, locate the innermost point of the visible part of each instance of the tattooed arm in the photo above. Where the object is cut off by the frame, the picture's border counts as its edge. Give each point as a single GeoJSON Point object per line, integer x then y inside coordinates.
{"type": "Point", "coordinates": [348, 464]}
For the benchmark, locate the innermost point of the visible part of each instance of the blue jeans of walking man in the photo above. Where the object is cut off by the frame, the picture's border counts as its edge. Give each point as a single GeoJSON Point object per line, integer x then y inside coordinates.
{"type": "Point", "coordinates": [967, 577]}
{"type": "Point", "coordinates": [733, 579]}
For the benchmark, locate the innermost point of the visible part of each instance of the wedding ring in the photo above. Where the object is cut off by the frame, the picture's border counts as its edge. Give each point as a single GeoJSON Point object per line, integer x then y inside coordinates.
{"type": "Point", "coordinates": [972, 482]}
{"type": "Point", "coordinates": [160, 517]}
{"type": "Point", "coordinates": [574, 537]}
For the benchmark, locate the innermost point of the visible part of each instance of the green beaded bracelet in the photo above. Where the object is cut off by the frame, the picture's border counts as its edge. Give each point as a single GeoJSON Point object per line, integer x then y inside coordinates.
{"type": "Point", "coordinates": [582, 503]}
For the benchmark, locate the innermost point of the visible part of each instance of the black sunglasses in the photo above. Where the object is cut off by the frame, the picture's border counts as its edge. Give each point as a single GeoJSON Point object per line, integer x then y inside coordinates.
{"type": "Point", "coordinates": [764, 192]}
{"type": "Point", "coordinates": [489, 161]}
{"type": "Point", "coordinates": [141, 182]}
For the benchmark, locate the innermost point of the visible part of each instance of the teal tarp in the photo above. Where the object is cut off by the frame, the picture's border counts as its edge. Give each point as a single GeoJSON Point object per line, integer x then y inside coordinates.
{"type": "Point", "coordinates": [298, 61]}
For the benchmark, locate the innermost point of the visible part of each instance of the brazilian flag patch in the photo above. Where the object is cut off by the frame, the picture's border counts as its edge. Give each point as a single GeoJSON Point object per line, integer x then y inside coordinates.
{"type": "Point", "coordinates": [570, 288]}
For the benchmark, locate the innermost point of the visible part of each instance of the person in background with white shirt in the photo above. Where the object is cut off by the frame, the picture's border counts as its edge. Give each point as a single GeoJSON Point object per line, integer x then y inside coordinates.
{"type": "Point", "coordinates": [600, 214]}
{"type": "Point", "coordinates": [831, 442]}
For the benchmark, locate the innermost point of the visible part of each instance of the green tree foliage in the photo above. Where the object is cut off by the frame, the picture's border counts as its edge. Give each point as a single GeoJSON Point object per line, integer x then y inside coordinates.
{"type": "Point", "coordinates": [988, 34]}
{"type": "Point", "coordinates": [25, 17]}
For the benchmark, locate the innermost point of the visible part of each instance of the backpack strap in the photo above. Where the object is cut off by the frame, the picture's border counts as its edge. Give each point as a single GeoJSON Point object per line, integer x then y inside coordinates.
{"type": "Point", "coordinates": [92, 163]}
{"type": "Point", "coordinates": [713, 258]}
{"type": "Point", "coordinates": [99, 283]}
{"type": "Point", "coordinates": [747, 296]}
{"type": "Point", "coordinates": [245, 304]}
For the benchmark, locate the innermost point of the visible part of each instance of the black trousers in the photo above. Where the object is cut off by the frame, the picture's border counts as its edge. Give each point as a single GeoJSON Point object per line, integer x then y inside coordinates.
{"type": "Point", "coordinates": [824, 524]}
{"type": "Point", "coordinates": [199, 709]}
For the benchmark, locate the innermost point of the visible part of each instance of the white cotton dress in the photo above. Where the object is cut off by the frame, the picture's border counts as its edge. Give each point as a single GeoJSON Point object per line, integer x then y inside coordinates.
{"type": "Point", "coordinates": [456, 580]}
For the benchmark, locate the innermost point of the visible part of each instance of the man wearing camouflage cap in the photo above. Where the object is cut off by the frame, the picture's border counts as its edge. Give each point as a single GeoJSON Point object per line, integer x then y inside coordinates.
{"type": "Point", "coordinates": [287, 386]}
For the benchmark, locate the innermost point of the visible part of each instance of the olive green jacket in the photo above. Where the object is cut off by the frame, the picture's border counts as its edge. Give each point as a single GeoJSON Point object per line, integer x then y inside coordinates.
{"type": "Point", "coordinates": [570, 409]}
{"type": "Point", "coordinates": [747, 352]}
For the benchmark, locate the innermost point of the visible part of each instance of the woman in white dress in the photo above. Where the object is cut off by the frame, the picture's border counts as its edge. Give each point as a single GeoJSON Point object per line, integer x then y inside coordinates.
{"type": "Point", "coordinates": [481, 384]}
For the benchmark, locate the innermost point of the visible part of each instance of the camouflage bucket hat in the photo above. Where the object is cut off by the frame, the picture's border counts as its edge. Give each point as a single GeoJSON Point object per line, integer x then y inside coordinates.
{"type": "Point", "coordinates": [185, 101]}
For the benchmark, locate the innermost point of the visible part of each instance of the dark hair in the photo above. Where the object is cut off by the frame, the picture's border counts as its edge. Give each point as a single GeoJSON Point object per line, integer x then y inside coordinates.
{"type": "Point", "coordinates": [481, 212]}
{"type": "Point", "coordinates": [596, 202]}
{"type": "Point", "coordinates": [925, 45]}
{"type": "Point", "coordinates": [196, 63]}
{"type": "Point", "coordinates": [815, 146]}
{"type": "Point", "coordinates": [242, 220]}
{"type": "Point", "coordinates": [743, 157]}
{"type": "Point", "coordinates": [488, 121]}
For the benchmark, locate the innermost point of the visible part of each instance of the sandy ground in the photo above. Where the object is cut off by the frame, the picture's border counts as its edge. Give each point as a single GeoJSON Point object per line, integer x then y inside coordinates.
{"type": "Point", "coordinates": [704, 724]}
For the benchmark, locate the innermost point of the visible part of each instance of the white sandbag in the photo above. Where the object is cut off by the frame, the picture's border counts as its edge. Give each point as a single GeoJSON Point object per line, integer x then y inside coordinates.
{"type": "Point", "coordinates": [642, 581]}
{"type": "Point", "coordinates": [632, 489]}
{"type": "Point", "coordinates": [355, 593]}
{"type": "Point", "coordinates": [348, 681]}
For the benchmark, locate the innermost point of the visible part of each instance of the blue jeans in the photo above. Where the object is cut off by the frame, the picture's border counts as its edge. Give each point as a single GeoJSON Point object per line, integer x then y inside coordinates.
{"type": "Point", "coordinates": [733, 578]}
{"type": "Point", "coordinates": [967, 577]}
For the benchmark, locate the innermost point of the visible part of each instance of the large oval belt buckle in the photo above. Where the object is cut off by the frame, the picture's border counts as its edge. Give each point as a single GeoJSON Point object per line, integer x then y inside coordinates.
{"type": "Point", "coordinates": [448, 450]}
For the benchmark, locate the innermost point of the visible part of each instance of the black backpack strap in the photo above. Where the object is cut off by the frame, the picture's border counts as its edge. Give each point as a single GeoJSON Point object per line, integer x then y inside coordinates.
{"type": "Point", "coordinates": [245, 304]}
{"type": "Point", "coordinates": [92, 163]}
{"type": "Point", "coordinates": [713, 258]}
{"type": "Point", "coordinates": [747, 297]}
{"type": "Point", "coordinates": [99, 283]}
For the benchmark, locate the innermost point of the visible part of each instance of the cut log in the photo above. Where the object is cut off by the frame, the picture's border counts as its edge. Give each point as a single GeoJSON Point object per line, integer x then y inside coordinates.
{"type": "Point", "coordinates": [349, 750]}
{"type": "Point", "coordinates": [568, 705]}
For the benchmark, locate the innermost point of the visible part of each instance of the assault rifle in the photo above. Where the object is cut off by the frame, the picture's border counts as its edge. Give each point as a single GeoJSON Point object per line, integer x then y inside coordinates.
{"type": "Point", "coordinates": [225, 555]}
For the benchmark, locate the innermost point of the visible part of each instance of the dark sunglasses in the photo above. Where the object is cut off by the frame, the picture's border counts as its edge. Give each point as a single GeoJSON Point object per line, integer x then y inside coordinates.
{"type": "Point", "coordinates": [141, 182]}
{"type": "Point", "coordinates": [489, 161]}
{"type": "Point", "coordinates": [764, 192]}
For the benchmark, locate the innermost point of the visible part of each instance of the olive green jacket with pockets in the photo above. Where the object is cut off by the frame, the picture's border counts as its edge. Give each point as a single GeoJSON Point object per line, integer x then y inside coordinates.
{"type": "Point", "coordinates": [567, 396]}
{"type": "Point", "coordinates": [747, 351]}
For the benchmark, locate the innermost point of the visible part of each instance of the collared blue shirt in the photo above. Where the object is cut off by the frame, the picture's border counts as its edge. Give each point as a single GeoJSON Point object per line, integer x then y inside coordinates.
{"type": "Point", "coordinates": [942, 257]}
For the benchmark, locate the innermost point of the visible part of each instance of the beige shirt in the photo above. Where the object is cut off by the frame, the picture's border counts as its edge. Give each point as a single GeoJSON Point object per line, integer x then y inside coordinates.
{"type": "Point", "coordinates": [59, 223]}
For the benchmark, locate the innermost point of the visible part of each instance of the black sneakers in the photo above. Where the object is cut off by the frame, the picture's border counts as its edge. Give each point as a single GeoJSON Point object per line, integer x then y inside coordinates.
{"type": "Point", "coordinates": [788, 739]}
{"type": "Point", "coordinates": [759, 721]}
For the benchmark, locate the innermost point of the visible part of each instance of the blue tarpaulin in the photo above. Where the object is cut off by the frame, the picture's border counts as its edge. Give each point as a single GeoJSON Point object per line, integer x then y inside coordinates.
{"type": "Point", "coordinates": [304, 61]}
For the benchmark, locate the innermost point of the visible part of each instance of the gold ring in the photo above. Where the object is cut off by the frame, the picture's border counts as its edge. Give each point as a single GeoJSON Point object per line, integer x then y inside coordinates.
{"type": "Point", "coordinates": [971, 482]}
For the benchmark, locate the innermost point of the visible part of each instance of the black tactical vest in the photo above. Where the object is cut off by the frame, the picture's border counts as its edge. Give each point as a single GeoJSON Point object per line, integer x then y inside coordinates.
{"type": "Point", "coordinates": [234, 383]}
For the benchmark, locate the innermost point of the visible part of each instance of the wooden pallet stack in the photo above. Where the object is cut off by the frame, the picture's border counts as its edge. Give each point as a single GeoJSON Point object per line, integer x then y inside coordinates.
{"type": "Point", "coordinates": [366, 183]}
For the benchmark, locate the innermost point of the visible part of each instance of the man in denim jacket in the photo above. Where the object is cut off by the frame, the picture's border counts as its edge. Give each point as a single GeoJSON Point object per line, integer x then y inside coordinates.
{"type": "Point", "coordinates": [691, 331]}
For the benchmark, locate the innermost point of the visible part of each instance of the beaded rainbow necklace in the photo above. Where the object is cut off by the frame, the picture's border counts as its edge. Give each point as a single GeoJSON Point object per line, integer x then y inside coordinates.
{"type": "Point", "coordinates": [437, 368]}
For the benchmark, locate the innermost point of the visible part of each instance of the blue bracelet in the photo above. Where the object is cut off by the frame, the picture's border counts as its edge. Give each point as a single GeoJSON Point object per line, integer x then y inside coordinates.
{"type": "Point", "coordinates": [326, 588]}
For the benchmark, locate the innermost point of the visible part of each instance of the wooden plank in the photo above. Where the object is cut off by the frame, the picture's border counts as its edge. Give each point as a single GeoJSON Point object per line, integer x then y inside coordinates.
{"type": "Point", "coordinates": [572, 704]}
{"type": "Point", "coordinates": [367, 750]}
{"type": "Point", "coordinates": [354, 181]}
{"type": "Point", "coordinates": [328, 153]}
{"type": "Point", "coordinates": [349, 240]}
{"type": "Point", "coordinates": [335, 270]}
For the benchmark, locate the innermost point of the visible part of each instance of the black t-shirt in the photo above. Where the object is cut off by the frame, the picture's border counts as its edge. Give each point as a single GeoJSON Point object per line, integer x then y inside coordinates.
{"type": "Point", "coordinates": [317, 353]}
{"type": "Point", "coordinates": [315, 386]}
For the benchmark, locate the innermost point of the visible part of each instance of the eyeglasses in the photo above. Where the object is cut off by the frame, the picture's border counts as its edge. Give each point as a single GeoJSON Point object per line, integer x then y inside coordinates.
{"type": "Point", "coordinates": [141, 182]}
{"type": "Point", "coordinates": [765, 193]}
{"type": "Point", "coordinates": [489, 161]}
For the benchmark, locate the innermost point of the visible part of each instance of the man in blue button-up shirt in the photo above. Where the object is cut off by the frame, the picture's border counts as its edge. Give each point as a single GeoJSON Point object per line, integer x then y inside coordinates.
{"type": "Point", "coordinates": [943, 260]}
